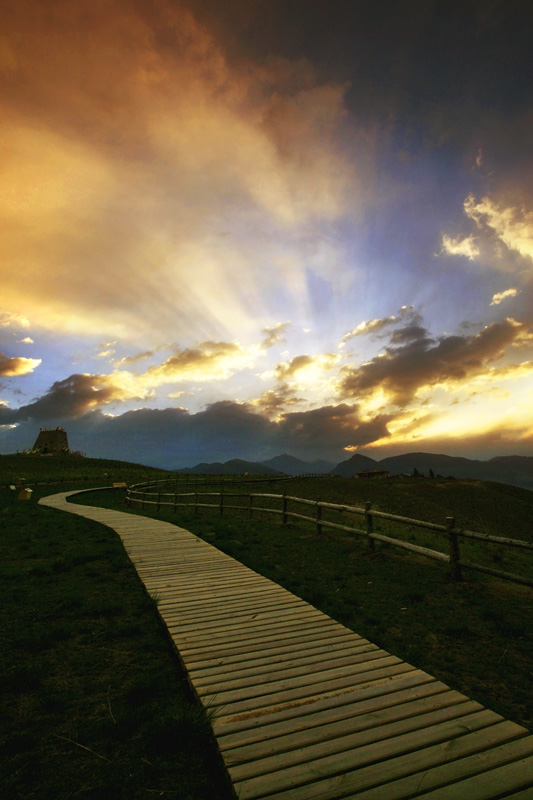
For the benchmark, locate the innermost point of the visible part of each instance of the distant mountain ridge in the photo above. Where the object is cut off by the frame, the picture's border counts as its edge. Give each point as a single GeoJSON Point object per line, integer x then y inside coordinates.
{"type": "Point", "coordinates": [512, 470]}
{"type": "Point", "coordinates": [235, 466]}
{"type": "Point", "coordinates": [291, 465]}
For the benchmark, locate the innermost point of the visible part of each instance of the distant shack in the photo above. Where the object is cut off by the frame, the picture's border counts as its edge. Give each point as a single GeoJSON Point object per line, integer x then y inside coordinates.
{"type": "Point", "coordinates": [51, 441]}
{"type": "Point", "coordinates": [376, 474]}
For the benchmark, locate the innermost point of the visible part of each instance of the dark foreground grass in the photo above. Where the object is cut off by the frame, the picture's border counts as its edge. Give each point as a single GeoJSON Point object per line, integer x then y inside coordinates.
{"type": "Point", "coordinates": [95, 704]}
{"type": "Point", "coordinates": [476, 635]}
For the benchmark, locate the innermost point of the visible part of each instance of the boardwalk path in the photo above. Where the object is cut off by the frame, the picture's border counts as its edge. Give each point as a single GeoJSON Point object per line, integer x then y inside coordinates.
{"type": "Point", "coordinates": [305, 707]}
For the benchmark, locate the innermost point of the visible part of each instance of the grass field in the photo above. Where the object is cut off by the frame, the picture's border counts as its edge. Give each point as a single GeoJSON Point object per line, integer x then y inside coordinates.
{"type": "Point", "coordinates": [95, 702]}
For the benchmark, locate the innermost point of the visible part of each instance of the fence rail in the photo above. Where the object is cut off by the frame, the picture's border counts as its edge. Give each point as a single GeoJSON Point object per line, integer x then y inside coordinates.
{"type": "Point", "coordinates": [150, 494]}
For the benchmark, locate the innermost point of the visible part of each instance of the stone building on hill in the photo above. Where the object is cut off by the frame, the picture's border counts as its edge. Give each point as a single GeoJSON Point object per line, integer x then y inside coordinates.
{"type": "Point", "coordinates": [51, 441]}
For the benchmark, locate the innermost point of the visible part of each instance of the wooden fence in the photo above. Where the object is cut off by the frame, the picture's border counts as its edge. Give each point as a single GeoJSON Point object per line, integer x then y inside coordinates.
{"type": "Point", "coordinates": [151, 494]}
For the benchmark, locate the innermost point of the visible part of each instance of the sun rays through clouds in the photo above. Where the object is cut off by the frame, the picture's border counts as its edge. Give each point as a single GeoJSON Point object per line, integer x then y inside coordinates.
{"type": "Point", "coordinates": [243, 229]}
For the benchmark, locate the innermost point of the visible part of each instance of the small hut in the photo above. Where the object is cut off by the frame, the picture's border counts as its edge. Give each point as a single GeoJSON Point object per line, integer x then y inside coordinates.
{"type": "Point", "coordinates": [375, 474]}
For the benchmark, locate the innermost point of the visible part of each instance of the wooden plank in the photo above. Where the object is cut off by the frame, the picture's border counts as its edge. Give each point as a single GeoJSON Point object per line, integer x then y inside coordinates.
{"type": "Point", "coordinates": [197, 638]}
{"type": "Point", "coordinates": [518, 775]}
{"type": "Point", "coordinates": [289, 665]}
{"type": "Point", "coordinates": [228, 644]}
{"type": "Point", "coordinates": [295, 645]}
{"type": "Point", "coordinates": [331, 710]}
{"type": "Point", "coordinates": [300, 676]}
{"type": "Point", "coordinates": [348, 722]}
{"type": "Point", "coordinates": [274, 700]}
{"type": "Point", "coordinates": [380, 763]}
{"type": "Point", "coordinates": [461, 768]}
{"type": "Point", "coordinates": [202, 653]}
{"type": "Point", "coordinates": [243, 609]}
{"type": "Point", "coordinates": [365, 732]}
{"type": "Point", "coordinates": [210, 596]}
{"type": "Point", "coordinates": [189, 631]}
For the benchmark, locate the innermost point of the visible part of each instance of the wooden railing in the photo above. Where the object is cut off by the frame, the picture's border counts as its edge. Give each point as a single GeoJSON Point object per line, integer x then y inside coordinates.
{"type": "Point", "coordinates": [151, 494]}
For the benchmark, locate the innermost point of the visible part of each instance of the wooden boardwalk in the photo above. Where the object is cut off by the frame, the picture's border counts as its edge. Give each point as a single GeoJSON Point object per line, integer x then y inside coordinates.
{"type": "Point", "coordinates": [305, 708]}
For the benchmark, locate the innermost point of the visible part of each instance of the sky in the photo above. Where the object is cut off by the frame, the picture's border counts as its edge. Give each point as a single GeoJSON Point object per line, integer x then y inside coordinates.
{"type": "Point", "coordinates": [233, 230]}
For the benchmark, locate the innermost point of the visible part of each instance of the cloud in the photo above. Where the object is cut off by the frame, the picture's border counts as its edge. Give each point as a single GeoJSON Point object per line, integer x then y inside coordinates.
{"type": "Point", "coordinates": [421, 362]}
{"type": "Point", "coordinates": [331, 428]}
{"type": "Point", "coordinates": [16, 366]}
{"type": "Point", "coordinates": [81, 393]}
{"type": "Point", "coordinates": [8, 319]}
{"type": "Point", "coordinates": [500, 296]}
{"type": "Point", "coordinates": [513, 225]}
{"type": "Point", "coordinates": [130, 153]}
{"type": "Point", "coordinates": [136, 358]}
{"type": "Point", "coordinates": [275, 401]}
{"type": "Point", "coordinates": [274, 335]}
{"type": "Point", "coordinates": [288, 369]}
{"type": "Point", "coordinates": [377, 325]}
{"type": "Point", "coordinates": [27, 340]}
{"type": "Point", "coordinates": [466, 247]}
{"type": "Point", "coordinates": [68, 399]}
{"type": "Point", "coordinates": [207, 361]}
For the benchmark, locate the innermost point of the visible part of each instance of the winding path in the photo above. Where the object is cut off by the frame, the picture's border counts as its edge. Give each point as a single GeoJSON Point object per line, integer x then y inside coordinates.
{"type": "Point", "coordinates": [305, 708]}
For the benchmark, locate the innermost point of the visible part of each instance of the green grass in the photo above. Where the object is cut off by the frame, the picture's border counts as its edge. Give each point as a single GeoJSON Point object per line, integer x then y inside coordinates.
{"type": "Point", "coordinates": [476, 635]}
{"type": "Point", "coordinates": [95, 703]}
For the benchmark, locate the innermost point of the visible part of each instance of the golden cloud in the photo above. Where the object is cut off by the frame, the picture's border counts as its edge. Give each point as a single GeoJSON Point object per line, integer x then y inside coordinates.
{"type": "Point", "coordinates": [466, 247]}
{"type": "Point", "coordinates": [17, 366]}
{"type": "Point", "coordinates": [128, 156]}
{"type": "Point", "coordinates": [274, 335]}
{"type": "Point", "coordinates": [420, 363]}
{"type": "Point", "coordinates": [513, 225]}
{"type": "Point", "coordinates": [499, 297]}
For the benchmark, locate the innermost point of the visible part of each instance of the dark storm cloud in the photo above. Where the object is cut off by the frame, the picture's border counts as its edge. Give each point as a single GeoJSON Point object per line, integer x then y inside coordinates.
{"type": "Point", "coordinates": [407, 54]}
{"type": "Point", "coordinates": [411, 333]}
{"type": "Point", "coordinates": [224, 430]}
{"type": "Point", "coordinates": [331, 428]}
{"type": "Point", "coordinates": [69, 398]}
{"type": "Point", "coordinates": [419, 361]}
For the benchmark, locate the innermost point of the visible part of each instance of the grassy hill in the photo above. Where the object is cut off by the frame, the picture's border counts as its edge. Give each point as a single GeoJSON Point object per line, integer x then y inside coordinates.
{"type": "Point", "coordinates": [58, 469]}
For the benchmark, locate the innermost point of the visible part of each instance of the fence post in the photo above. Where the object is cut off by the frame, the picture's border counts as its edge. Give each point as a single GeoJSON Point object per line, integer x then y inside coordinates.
{"type": "Point", "coordinates": [251, 505]}
{"type": "Point", "coordinates": [175, 500]}
{"type": "Point", "coordinates": [369, 525]}
{"type": "Point", "coordinates": [142, 502]}
{"type": "Point", "coordinates": [455, 568]}
{"type": "Point", "coordinates": [284, 509]}
{"type": "Point", "coordinates": [318, 517]}
{"type": "Point", "coordinates": [196, 503]}
{"type": "Point", "coordinates": [159, 501]}
{"type": "Point", "coordinates": [221, 503]}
